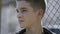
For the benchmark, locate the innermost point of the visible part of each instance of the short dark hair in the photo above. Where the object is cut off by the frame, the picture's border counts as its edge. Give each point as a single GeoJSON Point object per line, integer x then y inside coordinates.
{"type": "Point", "coordinates": [36, 4]}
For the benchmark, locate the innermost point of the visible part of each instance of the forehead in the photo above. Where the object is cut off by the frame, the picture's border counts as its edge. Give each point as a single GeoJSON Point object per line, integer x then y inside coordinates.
{"type": "Point", "coordinates": [21, 4]}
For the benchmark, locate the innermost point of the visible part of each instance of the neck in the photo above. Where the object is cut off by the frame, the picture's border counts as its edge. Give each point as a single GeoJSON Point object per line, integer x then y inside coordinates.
{"type": "Point", "coordinates": [34, 29]}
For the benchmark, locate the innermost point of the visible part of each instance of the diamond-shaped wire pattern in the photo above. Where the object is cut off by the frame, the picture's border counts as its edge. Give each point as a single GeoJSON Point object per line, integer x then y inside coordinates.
{"type": "Point", "coordinates": [51, 18]}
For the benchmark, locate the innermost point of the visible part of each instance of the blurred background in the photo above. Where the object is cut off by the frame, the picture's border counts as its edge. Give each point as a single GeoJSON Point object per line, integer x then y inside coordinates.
{"type": "Point", "coordinates": [9, 21]}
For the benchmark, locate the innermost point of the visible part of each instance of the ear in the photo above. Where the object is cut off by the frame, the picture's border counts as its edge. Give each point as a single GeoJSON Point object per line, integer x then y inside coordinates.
{"type": "Point", "coordinates": [40, 12]}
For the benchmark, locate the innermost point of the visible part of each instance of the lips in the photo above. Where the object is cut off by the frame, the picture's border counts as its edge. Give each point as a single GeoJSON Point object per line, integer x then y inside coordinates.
{"type": "Point", "coordinates": [21, 20]}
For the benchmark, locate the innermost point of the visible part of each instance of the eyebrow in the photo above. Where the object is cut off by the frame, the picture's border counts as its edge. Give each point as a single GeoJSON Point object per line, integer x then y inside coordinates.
{"type": "Point", "coordinates": [23, 8]}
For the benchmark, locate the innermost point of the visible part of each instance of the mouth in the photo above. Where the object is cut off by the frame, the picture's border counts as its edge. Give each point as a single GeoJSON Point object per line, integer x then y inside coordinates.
{"type": "Point", "coordinates": [21, 21]}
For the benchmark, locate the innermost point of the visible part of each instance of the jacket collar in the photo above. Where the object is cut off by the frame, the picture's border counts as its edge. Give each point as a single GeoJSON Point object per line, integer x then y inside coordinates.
{"type": "Point", "coordinates": [45, 31]}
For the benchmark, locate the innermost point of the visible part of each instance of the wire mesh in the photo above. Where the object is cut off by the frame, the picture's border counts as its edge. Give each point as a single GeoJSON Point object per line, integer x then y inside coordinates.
{"type": "Point", "coordinates": [51, 19]}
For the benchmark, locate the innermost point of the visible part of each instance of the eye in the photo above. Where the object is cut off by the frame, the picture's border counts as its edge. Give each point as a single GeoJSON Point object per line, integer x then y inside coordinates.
{"type": "Point", "coordinates": [23, 11]}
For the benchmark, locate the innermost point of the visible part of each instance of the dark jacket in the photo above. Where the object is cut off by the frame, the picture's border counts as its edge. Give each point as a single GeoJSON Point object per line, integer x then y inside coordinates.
{"type": "Point", "coordinates": [45, 31]}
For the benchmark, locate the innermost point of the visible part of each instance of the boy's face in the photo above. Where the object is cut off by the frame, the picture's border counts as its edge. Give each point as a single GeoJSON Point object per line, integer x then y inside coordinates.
{"type": "Point", "coordinates": [26, 15]}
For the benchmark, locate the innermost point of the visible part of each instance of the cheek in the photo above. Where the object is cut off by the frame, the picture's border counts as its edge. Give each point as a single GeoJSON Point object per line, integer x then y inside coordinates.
{"type": "Point", "coordinates": [30, 19]}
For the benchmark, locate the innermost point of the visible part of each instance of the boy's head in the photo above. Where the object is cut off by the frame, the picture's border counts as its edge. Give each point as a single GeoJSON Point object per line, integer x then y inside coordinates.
{"type": "Point", "coordinates": [30, 12]}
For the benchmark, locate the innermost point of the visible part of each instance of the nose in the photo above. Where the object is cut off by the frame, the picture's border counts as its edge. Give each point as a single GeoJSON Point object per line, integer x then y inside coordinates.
{"type": "Point", "coordinates": [19, 15]}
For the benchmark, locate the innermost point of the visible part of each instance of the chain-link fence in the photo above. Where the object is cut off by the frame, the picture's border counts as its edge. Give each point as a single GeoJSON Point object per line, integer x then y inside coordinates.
{"type": "Point", "coordinates": [51, 19]}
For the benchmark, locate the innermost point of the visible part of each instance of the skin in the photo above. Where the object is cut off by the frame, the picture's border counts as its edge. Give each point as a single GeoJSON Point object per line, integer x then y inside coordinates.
{"type": "Point", "coordinates": [28, 18]}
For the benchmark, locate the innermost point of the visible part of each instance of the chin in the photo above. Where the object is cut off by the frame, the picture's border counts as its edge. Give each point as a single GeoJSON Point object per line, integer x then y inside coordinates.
{"type": "Point", "coordinates": [22, 26]}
